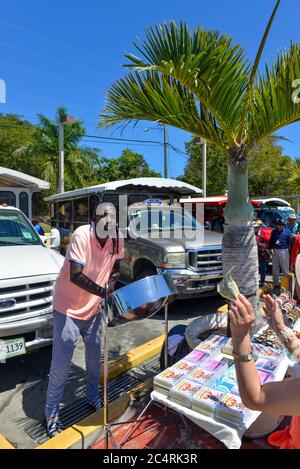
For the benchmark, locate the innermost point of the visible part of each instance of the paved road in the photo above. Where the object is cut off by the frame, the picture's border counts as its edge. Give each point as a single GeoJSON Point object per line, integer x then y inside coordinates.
{"type": "Point", "coordinates": [23, 380]}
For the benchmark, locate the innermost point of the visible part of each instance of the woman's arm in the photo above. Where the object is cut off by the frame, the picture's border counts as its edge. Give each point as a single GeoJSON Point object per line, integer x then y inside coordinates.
{"type": "Point", "coordinates": [276, 322]}
{"type": "Point", "coordinates": [277, 397]}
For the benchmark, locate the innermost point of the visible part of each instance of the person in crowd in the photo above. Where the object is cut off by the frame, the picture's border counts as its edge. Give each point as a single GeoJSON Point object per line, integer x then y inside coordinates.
{"type": "Point", "coordinates": [279, 244]}
{"type": "Point", "coordinates": [279, 398]}
{"type": "Point", "coordinates": [295, 249]}
{"type": "Point", "coordinates": [91, 262]}
{"type": "Point", "coordinates": [38, 227]}
{"type": "Point", "coordinates": [292, 224]}
{"type": "Point", "coordinates": [263, 252]}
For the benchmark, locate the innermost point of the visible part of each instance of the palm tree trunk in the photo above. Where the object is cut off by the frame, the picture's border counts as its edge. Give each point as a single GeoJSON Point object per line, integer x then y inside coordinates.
{"type": "Point", "coordinates": [239, 248]}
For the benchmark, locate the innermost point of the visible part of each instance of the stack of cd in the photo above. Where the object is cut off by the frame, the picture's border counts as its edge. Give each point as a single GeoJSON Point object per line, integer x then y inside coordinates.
{"type": "Point", "coordinates": [165, 380]}
{"type": "Point", "coordinates": [202, 376]}
{"type": "Point", "coordinates": [197, 357]}
{"type": "Point", "coordinates": [183, 391]}
{"type": "Point", "coordinates": [212, 344]}
{"type": "Point", "coordinates": [185, 366]}
{"type": "Point", "coordinates": [219, 368]}
{"type": "Point", "coordinates": [206, 400]}
{"type": "Point", "coordinates": [231, 410]}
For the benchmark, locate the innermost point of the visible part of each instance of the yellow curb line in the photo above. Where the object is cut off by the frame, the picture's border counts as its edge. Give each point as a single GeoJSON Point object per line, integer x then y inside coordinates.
{"type": "Point", "coordinates": [5, 444]}
{"type": "Point", "coordinates": [135, 357]}
{"type": "Point", "coordinates": [86, 432]}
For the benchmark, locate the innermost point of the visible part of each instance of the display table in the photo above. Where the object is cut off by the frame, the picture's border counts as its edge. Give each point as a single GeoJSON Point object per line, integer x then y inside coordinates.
{"type": "Point", "coordinates": [230, 436]}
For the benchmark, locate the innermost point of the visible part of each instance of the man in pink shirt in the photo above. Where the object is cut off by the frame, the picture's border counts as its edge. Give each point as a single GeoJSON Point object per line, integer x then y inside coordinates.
{"type": "Point", "coordinates": [91, 262]}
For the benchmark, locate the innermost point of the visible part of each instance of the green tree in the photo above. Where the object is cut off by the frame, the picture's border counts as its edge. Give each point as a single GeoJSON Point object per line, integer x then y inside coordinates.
{"type": "Point", "coordinates": [268, 169]}
{"type": "Point", "coordinates": [216, 168]}
{"type": "Point", "coordinates": [200, 82]}
{"type": "Point", "coordinates": [80, 161]}
{"type": "Point", "coordinates": [268, 165]}
{"type": "Point", "coordinates": [128, 165]}
{"type": "Point", "coordinates": [15, 133]}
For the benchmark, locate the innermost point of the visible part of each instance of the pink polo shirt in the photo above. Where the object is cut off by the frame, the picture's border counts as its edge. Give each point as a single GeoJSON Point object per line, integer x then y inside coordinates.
{"type": "Point", "coordinates": [98, 263]}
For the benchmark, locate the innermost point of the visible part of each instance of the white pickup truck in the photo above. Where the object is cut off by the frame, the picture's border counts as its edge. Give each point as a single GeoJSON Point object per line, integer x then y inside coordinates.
{"type": "Point", "coordinates": [28, 269]}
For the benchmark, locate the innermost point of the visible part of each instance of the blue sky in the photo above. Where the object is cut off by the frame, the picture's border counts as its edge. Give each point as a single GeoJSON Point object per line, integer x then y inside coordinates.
{"type": "Point", "coordinates": [62, 52]}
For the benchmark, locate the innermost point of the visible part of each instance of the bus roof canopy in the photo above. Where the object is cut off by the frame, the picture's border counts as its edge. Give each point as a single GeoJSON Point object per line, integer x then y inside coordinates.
{"type": "Point", "coordinates": [129, 184]}
{"type": "Point", "coordinates": [12, 178]}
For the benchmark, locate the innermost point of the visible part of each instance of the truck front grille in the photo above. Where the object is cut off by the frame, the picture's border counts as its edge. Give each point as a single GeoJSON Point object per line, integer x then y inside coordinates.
{"type": "Point", "coordinates": [206, 259]}
{"type": "Point", "coordinates": [28, 297]}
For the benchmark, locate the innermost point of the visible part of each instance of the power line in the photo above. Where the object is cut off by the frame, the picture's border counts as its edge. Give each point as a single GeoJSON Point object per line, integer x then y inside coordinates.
{"type": "Point", "coordinates": [46, 38]}
{"type": "Point", "coordinates": [49, 76]}
{"type": "Point", "coordinates": [123, 139]}
{"type": "Point", "coordinates": [29, 51]}
{"type": "Point", "coordinates": [122, 143]}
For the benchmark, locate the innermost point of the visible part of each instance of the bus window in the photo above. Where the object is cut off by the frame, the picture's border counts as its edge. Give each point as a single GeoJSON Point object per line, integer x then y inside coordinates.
{"type": "Point", "coordinates": [23, 202]}
{"type": "Point", "coordinates": [112, 198]}
{"type": "Point", "coordinates": [7, 197]}
{"type": "Point", "coordinates": [65, 214]}
{"type": "Point", "coordinates": [94, 201]}
{"type": "Point", "coordinates": [81, 212]}
{"type": "Point", "coordinates": [133, 199]}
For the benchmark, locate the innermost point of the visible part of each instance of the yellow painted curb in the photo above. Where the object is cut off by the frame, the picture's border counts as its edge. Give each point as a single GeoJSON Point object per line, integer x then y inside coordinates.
{"type": "Point", "coordinates": [135, 357]}
{"type": "Point", "coordinates": [88, 430]}
{"type": "Point", "coordinates": [5, 444]}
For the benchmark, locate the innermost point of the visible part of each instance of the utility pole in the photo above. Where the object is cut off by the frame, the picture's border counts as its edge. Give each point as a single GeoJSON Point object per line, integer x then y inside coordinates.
{"type": "Point", "coordinates": [165, 151]}
{"type": "Point", "coordinates": [61, 152]}
{"type": "Point", "coordinates": [202, 142]}
{"type": "Point", "coordinates": [204, 167]}
{"type": "Point", "coordinates": [61, 155]}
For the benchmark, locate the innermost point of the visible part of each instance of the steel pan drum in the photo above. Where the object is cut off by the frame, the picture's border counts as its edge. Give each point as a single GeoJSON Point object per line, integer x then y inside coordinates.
{"type": "Point", "coordinates": [140, 299]}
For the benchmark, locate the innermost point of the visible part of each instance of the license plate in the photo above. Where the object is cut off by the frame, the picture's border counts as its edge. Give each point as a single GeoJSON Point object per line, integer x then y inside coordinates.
{"type": "Point", "coordinates": [12, 347]}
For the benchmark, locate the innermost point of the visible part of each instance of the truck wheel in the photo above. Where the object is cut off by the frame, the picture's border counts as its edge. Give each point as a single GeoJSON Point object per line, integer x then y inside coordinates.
{"type": "Point", "coordinates": [147, 272]}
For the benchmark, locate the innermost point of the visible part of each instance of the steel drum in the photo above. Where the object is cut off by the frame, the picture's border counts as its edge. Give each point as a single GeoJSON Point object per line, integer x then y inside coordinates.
{"type": "Point", "coordinates": [140, 299]}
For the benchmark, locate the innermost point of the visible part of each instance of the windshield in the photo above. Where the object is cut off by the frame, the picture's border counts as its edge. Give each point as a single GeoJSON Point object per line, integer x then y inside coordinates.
{"type": "Point", "coordinates": [147, 220]}
{"type": "Point", "coordinates": [15, 230]}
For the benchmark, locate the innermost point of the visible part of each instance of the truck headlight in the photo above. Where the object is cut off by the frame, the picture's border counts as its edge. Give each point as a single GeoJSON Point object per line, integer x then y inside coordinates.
{"type": "Point", "coordinates": [175, 260]}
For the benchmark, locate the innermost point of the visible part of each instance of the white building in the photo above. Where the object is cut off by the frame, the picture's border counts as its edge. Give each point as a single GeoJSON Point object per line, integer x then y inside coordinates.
{"type": "Point", "coordinates": [16, 189]}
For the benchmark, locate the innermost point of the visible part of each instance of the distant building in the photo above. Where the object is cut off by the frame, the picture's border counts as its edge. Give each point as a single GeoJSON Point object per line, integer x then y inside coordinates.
{"type": "Point", "coordinates": [16, 189]}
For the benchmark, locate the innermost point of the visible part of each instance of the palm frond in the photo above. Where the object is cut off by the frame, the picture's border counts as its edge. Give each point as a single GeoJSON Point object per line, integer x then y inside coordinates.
{"type": "Point", "coordinates": [273, 105]}
{"type": "Point", "coordinates": [243, 122]}
{"type": "Point", "coordinates": [204, 62]}
{"type": "Point", "coordinates": [160, 98]}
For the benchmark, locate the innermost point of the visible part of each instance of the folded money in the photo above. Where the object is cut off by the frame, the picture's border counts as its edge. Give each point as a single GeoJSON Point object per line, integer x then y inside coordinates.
{"type": "Point", "coordinates": [228, 287]}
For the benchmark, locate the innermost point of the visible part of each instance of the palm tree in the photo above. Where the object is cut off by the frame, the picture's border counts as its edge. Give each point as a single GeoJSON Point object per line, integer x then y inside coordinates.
{"type": "Point", "coordinates": [79, 160]}
{"type": "Point", "coordinates": [202, 83]}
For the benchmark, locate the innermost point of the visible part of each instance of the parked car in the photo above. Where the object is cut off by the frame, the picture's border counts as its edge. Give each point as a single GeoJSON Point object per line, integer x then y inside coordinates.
{"type": "Point", "coordinates": [27, 275]}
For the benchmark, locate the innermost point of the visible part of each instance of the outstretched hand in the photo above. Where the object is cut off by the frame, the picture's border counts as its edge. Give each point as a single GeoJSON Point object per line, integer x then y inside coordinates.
{"type": "Point", "coordinates": [273, 313]}
{"type": "Point", "coordinates": [242, 316]}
